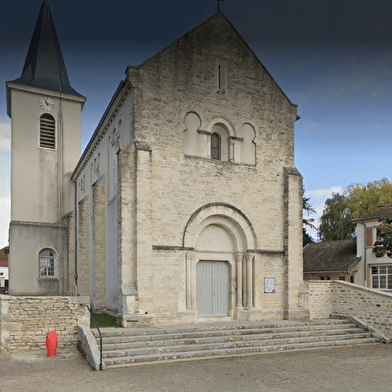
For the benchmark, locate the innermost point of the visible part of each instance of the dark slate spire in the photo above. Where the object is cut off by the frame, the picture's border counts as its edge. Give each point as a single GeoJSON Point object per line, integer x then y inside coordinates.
{"type": "Point", "coordinates": [44, 66]}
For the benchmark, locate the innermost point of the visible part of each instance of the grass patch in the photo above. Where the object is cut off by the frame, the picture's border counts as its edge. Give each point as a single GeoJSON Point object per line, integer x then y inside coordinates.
{"type": "Point", "coordinates": [80, 349]}
{"type": "Point", "coordinates": [104, 320]}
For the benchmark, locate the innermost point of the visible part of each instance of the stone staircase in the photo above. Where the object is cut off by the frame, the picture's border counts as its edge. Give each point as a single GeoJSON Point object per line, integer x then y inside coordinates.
{"type": "Point", "coordinates": [127, 346]}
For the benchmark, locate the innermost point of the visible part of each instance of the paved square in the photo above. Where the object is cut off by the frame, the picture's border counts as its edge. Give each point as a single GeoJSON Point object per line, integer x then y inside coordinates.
{"type": "Point", "coordinates": [361, 368]}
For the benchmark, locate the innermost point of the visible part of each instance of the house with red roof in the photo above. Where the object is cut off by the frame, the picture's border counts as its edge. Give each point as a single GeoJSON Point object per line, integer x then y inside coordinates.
{"type": "Point", "coordinates": [331, 260]}
{"type": "Point", "coordinates": [4, 269]}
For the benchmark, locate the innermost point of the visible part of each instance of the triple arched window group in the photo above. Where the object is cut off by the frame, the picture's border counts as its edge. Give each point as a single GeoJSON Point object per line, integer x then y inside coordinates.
{"type": "Point", "coordinates": [219, 140]}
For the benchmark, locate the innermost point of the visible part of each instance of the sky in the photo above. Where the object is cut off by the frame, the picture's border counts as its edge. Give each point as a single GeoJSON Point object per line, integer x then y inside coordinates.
{"type": "Point", "coordinates": [333, 58]}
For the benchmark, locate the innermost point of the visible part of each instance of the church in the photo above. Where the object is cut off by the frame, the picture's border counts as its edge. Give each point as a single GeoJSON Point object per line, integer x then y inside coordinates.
{"type": "Point", "coordinates": [185, 205]}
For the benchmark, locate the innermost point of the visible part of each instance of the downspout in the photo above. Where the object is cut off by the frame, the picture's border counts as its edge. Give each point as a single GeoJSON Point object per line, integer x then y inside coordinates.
{"type": "Point", "coordinates": [364, 254]}
{"type": "Point", "coordinates": [76, 238]}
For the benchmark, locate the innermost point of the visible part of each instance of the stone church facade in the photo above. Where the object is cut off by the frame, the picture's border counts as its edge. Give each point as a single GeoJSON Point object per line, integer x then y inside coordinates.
{"type": "Point", "coordinates": [185, 206]}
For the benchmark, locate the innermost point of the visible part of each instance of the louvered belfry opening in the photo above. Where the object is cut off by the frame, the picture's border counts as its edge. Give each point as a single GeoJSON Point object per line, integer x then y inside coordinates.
{"type": "Point", "coordinates": [47, 128]}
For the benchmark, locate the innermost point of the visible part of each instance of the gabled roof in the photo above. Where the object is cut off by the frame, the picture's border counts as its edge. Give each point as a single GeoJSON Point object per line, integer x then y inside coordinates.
{"type": "Point", "coordinates": [4, 257]}
{"type": "Point", "coordinates": [44, 67]}
{"type": "Point", "coordinates": [330, 256]}
{"type": "Point", "coordinates": [379, 213]}
{"type": "Point", "coordinates": [124, 85]}
{"type": "Point", "coordinates": [222, 16]}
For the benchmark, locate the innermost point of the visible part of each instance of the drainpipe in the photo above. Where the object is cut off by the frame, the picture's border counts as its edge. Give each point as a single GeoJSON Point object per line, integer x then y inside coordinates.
{"type": "Point", "coordinates": [76, 238]}
{"type": "Point", "coordinates": [364, 253]}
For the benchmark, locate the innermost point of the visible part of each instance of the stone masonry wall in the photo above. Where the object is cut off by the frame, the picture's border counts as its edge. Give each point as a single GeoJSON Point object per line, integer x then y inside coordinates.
{"type": "Point", "coordinates": [183, 79]}
{"type": "Point", "coordinates": [320, 298]}
{"type": "Point", "coordinates": [99, 240]}
{"type": "Point", "coordinates": [84, 247]}
{"type": "Point", "coordinates": [24, 321]}
{"type": "Point", "coordinates": [370, 307]}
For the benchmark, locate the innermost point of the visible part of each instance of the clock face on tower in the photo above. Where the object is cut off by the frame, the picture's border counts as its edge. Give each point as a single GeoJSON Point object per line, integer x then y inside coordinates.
{"type": "Point", "coordinates": [47, 104]}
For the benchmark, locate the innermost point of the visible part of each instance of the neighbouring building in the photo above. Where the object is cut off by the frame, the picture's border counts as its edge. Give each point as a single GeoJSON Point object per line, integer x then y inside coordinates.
{"type": "Point", "coordinates": [373, 272]}
{"type": "Point", "coordinates": [185, 204]}
{"type": "Point", "coordinates": [4, 269]}
{"type": "Point", "coordinates": [331, 260]}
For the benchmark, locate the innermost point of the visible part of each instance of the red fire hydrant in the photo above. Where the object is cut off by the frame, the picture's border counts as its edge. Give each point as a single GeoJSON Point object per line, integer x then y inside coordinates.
{"type": "Point", "coordinates": [51, 343]}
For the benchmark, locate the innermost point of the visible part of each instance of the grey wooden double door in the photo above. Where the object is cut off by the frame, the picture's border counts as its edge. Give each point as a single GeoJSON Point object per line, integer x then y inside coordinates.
{"type": "Point", "coordinates": [213, 289]}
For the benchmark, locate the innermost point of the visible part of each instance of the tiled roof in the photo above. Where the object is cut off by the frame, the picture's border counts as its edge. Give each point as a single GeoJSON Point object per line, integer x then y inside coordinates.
{"type": "Point", "coordinates": [379, 213]}
{"type": "Point", "coordinates": [330, 256]}
{"type": "Point", "coordinates": [44, 66]}
{"type": "Point", "coordinates": [3, 257]}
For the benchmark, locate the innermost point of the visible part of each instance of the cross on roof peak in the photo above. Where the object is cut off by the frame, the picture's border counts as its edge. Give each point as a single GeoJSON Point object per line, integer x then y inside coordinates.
{"type": "Point", "coordinates": [219, 4]}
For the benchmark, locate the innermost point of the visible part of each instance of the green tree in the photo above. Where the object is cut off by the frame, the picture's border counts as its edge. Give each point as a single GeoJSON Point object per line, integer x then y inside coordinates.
{"type": "Point", "coordinates": [366, 198]}
{"type": "Point", "coordinates": [336, 219]}
{"type": "Point", "coordinates": [307, 223]}
{"type": "Point", "coordinates": [356, 201]}
{"type": "Point", "coordinates": [384, 239]}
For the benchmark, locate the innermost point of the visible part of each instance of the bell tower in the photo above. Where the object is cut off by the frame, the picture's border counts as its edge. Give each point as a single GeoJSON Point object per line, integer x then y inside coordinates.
{"type": "Point", "coordinates": [45, 116]}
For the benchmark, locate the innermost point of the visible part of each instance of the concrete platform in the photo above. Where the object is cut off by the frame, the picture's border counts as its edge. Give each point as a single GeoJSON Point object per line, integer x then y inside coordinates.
{"type": "Point", "coordinates": [360, 369]}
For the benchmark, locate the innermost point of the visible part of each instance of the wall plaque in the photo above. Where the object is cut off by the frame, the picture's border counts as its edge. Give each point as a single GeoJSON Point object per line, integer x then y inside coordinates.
{"type": "Point", "coordinates": [269, 285]}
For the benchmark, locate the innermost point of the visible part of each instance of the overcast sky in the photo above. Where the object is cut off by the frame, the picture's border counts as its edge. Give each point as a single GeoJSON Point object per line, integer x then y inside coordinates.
{"type": "Point", "coordinates": [331, 57]}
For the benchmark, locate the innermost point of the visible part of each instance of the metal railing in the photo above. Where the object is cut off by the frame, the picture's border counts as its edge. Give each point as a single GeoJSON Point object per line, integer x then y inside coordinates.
{"type": "Point", "coordinates": [100, 338]}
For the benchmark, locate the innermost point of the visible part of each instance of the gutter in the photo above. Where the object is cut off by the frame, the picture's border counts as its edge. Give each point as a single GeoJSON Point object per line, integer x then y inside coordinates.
{"type": "Point", "coordinates": [356, 261]}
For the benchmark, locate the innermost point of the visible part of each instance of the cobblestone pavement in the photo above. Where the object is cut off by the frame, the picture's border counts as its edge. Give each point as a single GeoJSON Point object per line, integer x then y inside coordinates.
{"type": "Point", "coordinates": [361, 368]}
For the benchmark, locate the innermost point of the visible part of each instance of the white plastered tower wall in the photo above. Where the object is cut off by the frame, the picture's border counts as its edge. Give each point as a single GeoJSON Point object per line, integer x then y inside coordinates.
{"type": "Point", "coordinates": [42, 193]}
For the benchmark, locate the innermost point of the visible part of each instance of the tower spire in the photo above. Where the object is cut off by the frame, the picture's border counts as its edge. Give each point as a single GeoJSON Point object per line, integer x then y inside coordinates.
{"type": "Point", "coordinates": [44, 66]}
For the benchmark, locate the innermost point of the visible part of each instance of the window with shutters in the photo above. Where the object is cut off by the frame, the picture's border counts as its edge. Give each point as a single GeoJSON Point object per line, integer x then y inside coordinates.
{"type": "Point", "coordinates": [47, 261]}
{"type": "Point", "coordinates": [215, 146]}
{"type": "Point", "coordinates": [369, 237]}
{"type": "Point", "coordinates": [47, 134]}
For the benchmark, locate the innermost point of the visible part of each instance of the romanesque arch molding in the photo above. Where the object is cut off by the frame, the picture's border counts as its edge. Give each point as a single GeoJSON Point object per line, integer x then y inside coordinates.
{"type": "Point", "coordinates": [225, 215]}
{"type": "Point", "coordinates": [224, 121]}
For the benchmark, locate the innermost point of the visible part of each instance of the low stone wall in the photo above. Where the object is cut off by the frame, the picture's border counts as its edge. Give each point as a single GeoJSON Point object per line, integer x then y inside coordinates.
{"type": "Point", "coordinates": [372, 308]}
{"type": "Point", "coordinates": [320, 298]}
{"type": "Point", "coordinates": [24, 321]}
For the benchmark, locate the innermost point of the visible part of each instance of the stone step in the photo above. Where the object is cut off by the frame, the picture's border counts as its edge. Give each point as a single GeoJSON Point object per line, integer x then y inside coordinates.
{"type": "Point", "coordinates": [148, 341]}
{"type": "Point", "coordinates": [322, 323]}
{"type": "Point", "coordinates": [118, 337]}
{"type": "Point", "coordinates": [127, 346]}
{"type": "Point", "coordinates": [148, 358]}
{"type": "Point", "coordinates": [122, 352]}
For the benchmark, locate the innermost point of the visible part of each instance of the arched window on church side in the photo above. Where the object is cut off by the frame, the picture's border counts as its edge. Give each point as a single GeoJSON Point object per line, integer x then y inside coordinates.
{"type": "Point", "coordinates": [47, 134]}
{"type": "Point", "coordinates": [215, 146]}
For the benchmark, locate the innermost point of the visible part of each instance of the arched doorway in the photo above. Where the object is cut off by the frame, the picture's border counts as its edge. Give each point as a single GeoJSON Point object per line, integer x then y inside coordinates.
{"type": "Point", "coordinates": [215, 257]}
{"type": "Point", "coordinates": [219, 271]}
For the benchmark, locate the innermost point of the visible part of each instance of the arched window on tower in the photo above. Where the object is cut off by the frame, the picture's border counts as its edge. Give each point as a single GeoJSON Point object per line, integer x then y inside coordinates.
{"type": "Point", "coordinates": [215, 146]}
{"type": "Point", "coordinates": [47, 261]}
{"type": "Point", "coordinates": [47, 131]}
